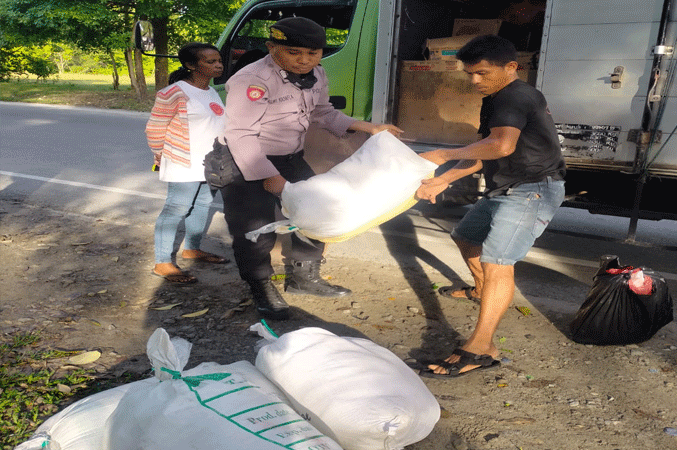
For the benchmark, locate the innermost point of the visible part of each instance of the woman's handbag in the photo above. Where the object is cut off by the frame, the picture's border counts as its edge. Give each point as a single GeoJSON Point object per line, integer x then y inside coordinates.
{"type": "Point", "coordinates": [220, 167]}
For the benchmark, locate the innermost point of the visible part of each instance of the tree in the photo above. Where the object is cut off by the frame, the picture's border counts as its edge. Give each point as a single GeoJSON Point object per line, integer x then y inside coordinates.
{"type": "Point", "coordinates": [106, 25]}
{"type": "Point", "coordinates": [89, 24]}
{"type": "Point", "coordinates": [176, 22]}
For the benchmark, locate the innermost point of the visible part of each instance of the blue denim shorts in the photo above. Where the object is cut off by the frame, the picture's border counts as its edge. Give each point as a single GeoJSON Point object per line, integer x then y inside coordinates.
{"type": "Point", "coordinates": [506, 226]}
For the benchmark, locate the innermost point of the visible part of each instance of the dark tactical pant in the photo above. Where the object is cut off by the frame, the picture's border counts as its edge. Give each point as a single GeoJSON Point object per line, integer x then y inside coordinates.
{"type": "Point", "coordinates": [247, 206]}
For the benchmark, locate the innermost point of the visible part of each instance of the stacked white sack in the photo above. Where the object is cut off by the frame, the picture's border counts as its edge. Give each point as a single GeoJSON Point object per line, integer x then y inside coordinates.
{"type": "Point", "coordinates": [351, 389]}
{"type": "Point", "coordinates": [208, 407]}
{"type": "Point", "coordinates": [372, 186]}
{"type": "Point", "coordinates": [162, 412]}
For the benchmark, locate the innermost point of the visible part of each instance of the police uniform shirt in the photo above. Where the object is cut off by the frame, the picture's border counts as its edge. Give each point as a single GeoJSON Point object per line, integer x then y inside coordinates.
{"type": "Point", "coordinates": [267, 115]}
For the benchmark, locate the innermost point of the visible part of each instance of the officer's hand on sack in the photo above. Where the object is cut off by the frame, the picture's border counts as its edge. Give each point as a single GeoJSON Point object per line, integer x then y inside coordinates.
{"type": "Point", "coordinates": [274, 185]}
{"type": "Point", "coordinates": [386, 127]}
{"type": "Point", "coordinates": [373, 128]}
{"type": "Point", "coordinates": [430, 188]}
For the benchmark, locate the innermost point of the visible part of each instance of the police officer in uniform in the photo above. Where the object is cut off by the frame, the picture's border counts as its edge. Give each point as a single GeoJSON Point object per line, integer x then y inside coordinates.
{"type": "Point", "coordinates": [269, 107]}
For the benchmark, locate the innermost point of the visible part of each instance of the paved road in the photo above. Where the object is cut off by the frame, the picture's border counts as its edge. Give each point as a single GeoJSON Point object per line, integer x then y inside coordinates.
{"type": "Point", "coordinates": [96, 162]}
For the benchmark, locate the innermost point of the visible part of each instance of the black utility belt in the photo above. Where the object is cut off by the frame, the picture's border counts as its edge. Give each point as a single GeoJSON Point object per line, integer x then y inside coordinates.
{"type": "Point", "coordinates": [283, 158]}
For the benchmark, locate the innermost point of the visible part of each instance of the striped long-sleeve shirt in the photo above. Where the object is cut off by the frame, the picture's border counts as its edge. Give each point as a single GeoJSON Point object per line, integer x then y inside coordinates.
{"type": "Point", "coordinates": [167, 128]}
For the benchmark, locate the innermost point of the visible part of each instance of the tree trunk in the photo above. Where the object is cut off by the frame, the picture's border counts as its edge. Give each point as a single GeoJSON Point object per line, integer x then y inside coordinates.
{"type": "Point", "coordinates": [129, 60]}
{"type": "Point", "coordinates": [116, 76]}
{"type": "Point", "coordinates": [161, 43]}
{"type": "Point", "coordinates": [60, 63]}
{"type": "Point", "coordinates": [140, 76]}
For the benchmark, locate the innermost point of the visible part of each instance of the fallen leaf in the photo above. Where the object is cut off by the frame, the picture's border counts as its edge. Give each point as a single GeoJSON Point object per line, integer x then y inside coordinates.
{"type": "Point", "coordinates": [85, 358]}
{"type": "Point", "coordinates": [103, 291]}
{"type": "Point", "coordinates": [197, 313]}
{"type": "Point", "coordinates": [95, 322]}
{"type": "Point", "coordinates": [524, 310]}
{"type": "Point", "coordinates": [166, 307]}
{"type": "Point", "coordinates": [63, 388]}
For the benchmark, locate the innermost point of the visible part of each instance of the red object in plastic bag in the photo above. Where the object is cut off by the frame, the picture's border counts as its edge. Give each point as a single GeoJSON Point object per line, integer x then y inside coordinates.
{"type": "Point", "coordinates": [639, 283]}
{"type": "Point", "coordinates": [625, 305]}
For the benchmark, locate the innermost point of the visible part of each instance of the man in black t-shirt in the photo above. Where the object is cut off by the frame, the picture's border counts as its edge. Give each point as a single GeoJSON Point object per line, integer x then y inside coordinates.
{"type": "Point", "coordinates": [520, 157]}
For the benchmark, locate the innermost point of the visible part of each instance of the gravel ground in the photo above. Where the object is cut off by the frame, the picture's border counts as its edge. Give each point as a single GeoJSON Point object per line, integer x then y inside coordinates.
{"type": "Point", "coordinates": [85, 283]}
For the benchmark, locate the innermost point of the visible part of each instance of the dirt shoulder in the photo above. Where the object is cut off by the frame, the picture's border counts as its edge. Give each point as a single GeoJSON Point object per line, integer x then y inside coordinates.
{"type": "Point", "coordinates": [85, 283]}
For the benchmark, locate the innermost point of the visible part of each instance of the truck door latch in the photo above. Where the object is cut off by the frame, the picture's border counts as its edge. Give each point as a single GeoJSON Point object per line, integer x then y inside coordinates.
{"type": "Point", "coordinates": [617, 77]}
{"type": "Point", "coordinates": [663, 50]}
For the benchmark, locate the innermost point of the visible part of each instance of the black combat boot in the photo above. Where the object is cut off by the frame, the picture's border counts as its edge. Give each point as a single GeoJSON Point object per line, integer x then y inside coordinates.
{"type": "Point", "coordinates": [269, 303]}
{"type": "Point", "coordinates": [303, 277]}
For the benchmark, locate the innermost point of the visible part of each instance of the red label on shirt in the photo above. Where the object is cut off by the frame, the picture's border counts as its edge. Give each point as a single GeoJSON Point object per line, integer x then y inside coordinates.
{"type": "Point", "coordinates": [255, 92]}
{"type": "Point", "coordinates": [218, 110]}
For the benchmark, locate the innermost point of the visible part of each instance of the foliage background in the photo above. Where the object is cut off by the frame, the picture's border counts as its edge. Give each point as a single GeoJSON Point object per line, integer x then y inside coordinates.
{"type": "Point", "coordinates": [52, 37]}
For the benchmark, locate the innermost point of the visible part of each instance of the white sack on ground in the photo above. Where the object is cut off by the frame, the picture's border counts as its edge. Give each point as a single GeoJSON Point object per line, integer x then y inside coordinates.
{"type": "Point", "coordinates": [372, 186]}
{"type": "Point", "coordinates": [351, 389]}
{"type": "Point", "coordinates": [178, 414]}
{"type": "Point", "coordinates": [80, 425]}
{"type": "Point", "coordinates": [206, 408]}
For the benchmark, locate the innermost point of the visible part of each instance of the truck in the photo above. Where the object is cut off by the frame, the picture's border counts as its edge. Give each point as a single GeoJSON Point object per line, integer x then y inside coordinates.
{"type": "Point", "coordinates": [606, 68]}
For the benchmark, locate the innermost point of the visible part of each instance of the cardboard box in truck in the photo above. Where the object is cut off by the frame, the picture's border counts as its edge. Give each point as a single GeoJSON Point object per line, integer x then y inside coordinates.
{"type": "Point", "coordinates": [437, 103]}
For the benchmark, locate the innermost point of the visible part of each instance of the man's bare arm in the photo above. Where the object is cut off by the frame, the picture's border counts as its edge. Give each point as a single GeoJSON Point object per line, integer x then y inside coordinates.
{"type": "Point", "coordinates": [501, 142]}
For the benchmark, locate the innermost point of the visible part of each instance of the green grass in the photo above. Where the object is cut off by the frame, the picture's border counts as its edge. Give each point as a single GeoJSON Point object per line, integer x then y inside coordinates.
{"type": "Point", "coordinates": [76, 90]}
{"type": "Point", "coordinates": [30, 391]}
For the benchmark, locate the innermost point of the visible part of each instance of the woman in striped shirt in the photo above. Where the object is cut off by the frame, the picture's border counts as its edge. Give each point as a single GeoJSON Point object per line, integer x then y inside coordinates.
{"type": "Point", "coordinates": [186, 118]}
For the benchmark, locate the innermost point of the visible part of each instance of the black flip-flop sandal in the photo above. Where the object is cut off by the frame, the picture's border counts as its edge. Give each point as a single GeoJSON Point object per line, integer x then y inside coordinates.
{"type": "Point", "coordinates": [453, 370]}
{"type": "Point", "coordinates": [445, 291]}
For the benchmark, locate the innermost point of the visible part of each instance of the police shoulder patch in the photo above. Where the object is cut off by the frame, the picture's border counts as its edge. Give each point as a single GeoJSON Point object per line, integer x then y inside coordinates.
{"type": "Point", "coordinates": [255, 92]}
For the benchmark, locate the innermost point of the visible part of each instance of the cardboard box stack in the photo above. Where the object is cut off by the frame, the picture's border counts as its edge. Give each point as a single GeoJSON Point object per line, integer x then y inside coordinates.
{"type": "Point", "coordinates": [436, 102]}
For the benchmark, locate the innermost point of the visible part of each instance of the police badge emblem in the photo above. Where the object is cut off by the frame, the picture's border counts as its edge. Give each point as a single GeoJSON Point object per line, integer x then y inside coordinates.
{"type": "Point", "coordinates": [255, 92]}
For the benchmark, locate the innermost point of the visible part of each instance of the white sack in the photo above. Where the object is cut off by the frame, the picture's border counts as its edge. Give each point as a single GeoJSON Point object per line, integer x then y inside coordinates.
{"type": "Point", "coordinates": [80, 425]}
{"type": "Point", "coordinates": [138, 415]}
{"type": "Point", "coordinates": [354, 391]}
{"type": "Point", "coordinates": [206, 408]}
{"type": "Point", "coordinates": [372, 186]}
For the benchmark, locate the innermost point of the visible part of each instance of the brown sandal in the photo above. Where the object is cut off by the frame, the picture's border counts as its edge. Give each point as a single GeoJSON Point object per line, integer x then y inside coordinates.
{"type": "Point", "coordinates": [177, 278]}
{"type": "Point", "coordinates": [209, 258]}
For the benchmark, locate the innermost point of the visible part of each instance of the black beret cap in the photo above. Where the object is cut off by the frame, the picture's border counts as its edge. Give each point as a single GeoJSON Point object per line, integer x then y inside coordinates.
{"type": "Point", "coordinates": [298, 32]}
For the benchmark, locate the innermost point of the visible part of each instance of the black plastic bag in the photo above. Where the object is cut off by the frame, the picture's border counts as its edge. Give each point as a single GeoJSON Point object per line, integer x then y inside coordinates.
{"type": "Point", "coordinates": [613, 314]}
{"type": "Point", "coordinates": [220, 168]}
